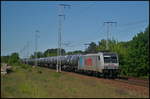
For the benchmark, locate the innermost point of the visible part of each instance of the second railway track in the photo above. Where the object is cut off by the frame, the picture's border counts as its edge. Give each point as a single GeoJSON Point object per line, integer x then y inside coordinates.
{"type": "Point", "coordinates": [134, 81]}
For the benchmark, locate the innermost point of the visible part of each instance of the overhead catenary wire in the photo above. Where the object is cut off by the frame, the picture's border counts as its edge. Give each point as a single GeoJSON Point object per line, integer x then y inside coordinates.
{"type": "Point", "coordinates": [134, 23]}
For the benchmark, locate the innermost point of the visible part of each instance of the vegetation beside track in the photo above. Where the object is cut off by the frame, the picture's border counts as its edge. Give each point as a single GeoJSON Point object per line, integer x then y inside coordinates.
{"type": "Point", "coordinates": [26, 81]}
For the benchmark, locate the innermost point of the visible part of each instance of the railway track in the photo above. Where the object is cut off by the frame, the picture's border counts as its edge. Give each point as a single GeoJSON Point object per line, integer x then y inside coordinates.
{"type": "Point", "coordinates": [134, 81]}
{"type": "Point", "coordinates": [129, 80]}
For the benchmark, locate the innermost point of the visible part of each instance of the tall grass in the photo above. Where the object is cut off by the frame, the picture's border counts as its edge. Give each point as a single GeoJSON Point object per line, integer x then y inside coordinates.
{"type": "Point", "coordinates": [39, 82]}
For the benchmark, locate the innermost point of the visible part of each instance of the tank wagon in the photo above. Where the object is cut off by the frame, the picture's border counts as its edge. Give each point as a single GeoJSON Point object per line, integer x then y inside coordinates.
{"type": "Point", "coordinates": [102, 63]}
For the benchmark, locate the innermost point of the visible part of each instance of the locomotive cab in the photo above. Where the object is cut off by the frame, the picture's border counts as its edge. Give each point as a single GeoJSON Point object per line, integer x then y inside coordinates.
{"type": "Point", "coordinates": [111, 64]}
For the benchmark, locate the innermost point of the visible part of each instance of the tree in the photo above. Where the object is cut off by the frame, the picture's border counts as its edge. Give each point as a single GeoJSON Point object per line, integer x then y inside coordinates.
{"type": "Point", "coordinates": [139, 54]}
{"type": "Point", "coordinates": [39, 55]}
{"type": "Point", "coordinates": [74, 52]}
{"type": "Point", "coordinates": [14, 58]}
{"type": "Point", "coordinates": [50, 52]}
{"type": "Point", "coordinates": [53, 52]}
{"type": "Point", "coordinates": [102, 45]}
{"type": "Point", "coordinates": [92, 48]}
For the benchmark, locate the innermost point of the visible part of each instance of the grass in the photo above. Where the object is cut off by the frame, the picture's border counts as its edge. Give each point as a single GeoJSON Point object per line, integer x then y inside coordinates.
{"type": "Point", "coordinates": [28, 82]}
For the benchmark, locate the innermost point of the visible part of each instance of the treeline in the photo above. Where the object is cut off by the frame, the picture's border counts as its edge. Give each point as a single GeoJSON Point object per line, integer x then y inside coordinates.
{"type": "Point", "coordinates": [53, 52]}
{"type": "Point", "coordinates": [133, 54]}
{"type": "Point", "coordinates": [13, 58]}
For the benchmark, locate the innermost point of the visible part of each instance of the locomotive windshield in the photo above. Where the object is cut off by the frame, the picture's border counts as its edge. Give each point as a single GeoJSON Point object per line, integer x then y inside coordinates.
{"type": "Point", "coordinates": [110, 58]}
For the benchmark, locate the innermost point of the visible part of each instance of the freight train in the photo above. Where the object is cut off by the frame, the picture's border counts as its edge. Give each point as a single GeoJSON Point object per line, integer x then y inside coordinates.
{"type": "Point", "coordinates": [101, 63]}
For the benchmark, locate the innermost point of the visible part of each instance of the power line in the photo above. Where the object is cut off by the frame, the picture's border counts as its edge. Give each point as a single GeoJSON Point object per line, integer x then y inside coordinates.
{"type": "Point", "coordinates": [108, 23]}
{"type": "Point", "coordinates": [134, 23]}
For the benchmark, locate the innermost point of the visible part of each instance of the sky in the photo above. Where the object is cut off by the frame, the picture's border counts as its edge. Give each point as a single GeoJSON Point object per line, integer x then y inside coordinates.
{"type": "Point", "coordinates": [83, 23]}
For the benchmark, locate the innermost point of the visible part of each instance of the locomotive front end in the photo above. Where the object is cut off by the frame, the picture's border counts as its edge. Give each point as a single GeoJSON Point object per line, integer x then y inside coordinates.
{"type": "Point", "coordinates": [111, 64]}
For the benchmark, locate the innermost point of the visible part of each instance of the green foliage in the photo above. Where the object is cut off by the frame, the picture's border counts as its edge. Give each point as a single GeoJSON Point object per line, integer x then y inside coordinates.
{"type": "Point", "coordinates": [4, 59]}
{"type": "Point", "coordinates": [139, 54]}
{"type": "Point", "coordinates": [48, 52]}
{"type": "Point", "coordinates": [14, 58]}
{"type": "Point", "coordinates": [74, 52]}
{"type": "Point", "coordinates": [102, 45]}
{"type": "Point", "coordinates": [91, 48]}
{"type": "Point", "coordinates": [53, 52]}
{"type": "Point", "coordinates": [39, 54]}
